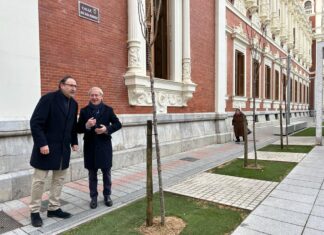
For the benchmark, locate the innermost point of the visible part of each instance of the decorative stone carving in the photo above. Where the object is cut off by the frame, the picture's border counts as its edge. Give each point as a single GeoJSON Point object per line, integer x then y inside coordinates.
{"type": "Point", "coordinates": [251, 5]}
{"type": "Point", "coordinates": [239, 30]}
{"type": "Point", "coordinates": [186, 70]}
{"type": "Point", "coordinates": [257, 103]}
{"type": "Point", "coordinates": [167, 93]}
{"type": "Point", "coordinates": [267, 104]}
{"type": "Point", "coordinates": [256, 20]}
{"type": "Point", "coordinates": [275, 23]}
{"type": "Point", "coordinates": [174, 92]}
{"type": "Point", "coordinates": [239, 102]}
{"type": "Point", "coordinates": [240, 6]}
{"type": "Point", "coordinates": [133, 56]}
{"type": "Point", "coordinates": [276, 105]}
{"type": "Point", "coordinates": [264, 12]}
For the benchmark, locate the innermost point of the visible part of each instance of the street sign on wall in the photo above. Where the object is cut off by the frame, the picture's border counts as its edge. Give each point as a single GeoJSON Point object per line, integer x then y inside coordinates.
{"type": "Point", "coordinates": [88, 12]}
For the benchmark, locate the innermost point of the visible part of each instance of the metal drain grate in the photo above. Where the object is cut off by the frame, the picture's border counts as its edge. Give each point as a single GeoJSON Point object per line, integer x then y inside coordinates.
{"type": "Point", "coordinates": [45, 204]}
{"type": "Point", "coordinates": [189, 159]}
{"type": "Point", "coordinates": [7, 223]}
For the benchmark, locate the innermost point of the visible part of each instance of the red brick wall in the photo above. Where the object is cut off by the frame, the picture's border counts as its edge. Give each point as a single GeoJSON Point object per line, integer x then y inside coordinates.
{"type": "Point", "coordinates": [96, 54]}
{"type": "Point", "coordinates": [202, 30]}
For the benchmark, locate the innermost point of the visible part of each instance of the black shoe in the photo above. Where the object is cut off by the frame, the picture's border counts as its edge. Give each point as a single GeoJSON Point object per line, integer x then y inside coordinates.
{"type": "Point", "coordinates": [108, 201]}
{"type": "Point", "coordinates": [59, 214]}
{"type": "Point", "coordinates": [36, 220]}
{"type": "Point", "coordinates": [93, 203]}
{"type": "Point", "coordinates": [237, 141]}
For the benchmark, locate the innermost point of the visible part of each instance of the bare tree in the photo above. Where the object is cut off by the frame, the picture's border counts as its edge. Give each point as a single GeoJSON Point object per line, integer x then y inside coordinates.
{"type": "Point", "coordinates": [149, 19]}
{"type": "Point", "coordinates": [257, 44]}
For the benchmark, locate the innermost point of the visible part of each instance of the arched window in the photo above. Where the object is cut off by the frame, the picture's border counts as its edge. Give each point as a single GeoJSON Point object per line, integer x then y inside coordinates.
{"type": "Point", "coordinates": [308, 7]}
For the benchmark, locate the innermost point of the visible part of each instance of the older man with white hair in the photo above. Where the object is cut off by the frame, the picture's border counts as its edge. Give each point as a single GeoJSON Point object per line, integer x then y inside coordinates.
{"type": "Point", "coordinates": [98, 121]}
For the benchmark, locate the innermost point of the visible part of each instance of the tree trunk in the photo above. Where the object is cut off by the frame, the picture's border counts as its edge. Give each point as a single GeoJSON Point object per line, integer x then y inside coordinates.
{"type": "Point", "coordinates": [245, 139]}
{"type": "Point", "coordinates": [149, 177]}
{"type": "Point", "coordinates": [281, 128]}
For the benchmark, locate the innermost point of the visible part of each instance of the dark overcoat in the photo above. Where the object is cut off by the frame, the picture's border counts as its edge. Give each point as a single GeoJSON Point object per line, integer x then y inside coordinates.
{"type": "Point", "coordinates": [53, 123]}
{"type": "Point", "coordinates": [97, 149]}
{"type": "Point", "coordinates": [238, 124]}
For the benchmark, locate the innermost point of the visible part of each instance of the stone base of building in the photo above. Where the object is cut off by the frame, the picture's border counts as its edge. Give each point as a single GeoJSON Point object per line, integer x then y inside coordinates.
{"type": "Point", "coordinates": [177, 133]}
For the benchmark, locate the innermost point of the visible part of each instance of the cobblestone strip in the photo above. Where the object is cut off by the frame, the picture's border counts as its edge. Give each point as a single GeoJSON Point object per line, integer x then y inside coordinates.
{"type": "Point", "coordinates": [228, 190]}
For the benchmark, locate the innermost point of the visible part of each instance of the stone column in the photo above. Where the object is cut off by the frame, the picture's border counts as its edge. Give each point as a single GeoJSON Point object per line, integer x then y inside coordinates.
{"type": "Point", "coordinates": [136, 42]}
{"type": "Point", "coordinates": [186, 59]}
{"type": "Point", "coordinates": [319, 92]}
{"type": "Point", "coordinates": [220, 56]}
{"type": "Point", "coordinates": [175, 39]}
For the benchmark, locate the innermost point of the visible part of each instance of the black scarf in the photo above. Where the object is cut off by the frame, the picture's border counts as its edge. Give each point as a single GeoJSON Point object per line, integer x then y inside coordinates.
{"type": "Point", "coordinates": [96, 110]}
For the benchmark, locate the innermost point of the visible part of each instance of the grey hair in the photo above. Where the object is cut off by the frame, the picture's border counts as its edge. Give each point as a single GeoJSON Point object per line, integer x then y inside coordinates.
{"type": "Point", "coordinates": [95, 88]}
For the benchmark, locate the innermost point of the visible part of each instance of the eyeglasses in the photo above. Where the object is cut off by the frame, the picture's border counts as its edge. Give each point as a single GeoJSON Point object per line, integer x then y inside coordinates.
{"type": "Point", "coordinates": [71, 85]}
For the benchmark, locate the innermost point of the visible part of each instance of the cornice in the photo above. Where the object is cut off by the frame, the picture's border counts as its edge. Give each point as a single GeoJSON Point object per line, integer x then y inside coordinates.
{"type": "Point", "coordinates": [270, 40]}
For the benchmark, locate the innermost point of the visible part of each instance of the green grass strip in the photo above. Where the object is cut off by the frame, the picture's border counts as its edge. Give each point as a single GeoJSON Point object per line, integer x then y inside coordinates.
{"type": "Point", "coordinates": [311, 131]}
{"type": "Point", "coordinates": [271, 170]}
{"type": "Point", "coordinates": [201, 217]}
{"type": "Point", "coordinates": [287, 149]}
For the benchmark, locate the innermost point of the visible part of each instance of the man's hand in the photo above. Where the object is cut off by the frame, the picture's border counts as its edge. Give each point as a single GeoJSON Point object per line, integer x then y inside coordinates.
{"type": "Point", "coordinates": [44, 150]}
{"type": "Point", "coordinates": [90, 123]}
{"type": "Point", "coordinates": [75, 147]}
{"type": "Point", "coordinates": [101, 130]}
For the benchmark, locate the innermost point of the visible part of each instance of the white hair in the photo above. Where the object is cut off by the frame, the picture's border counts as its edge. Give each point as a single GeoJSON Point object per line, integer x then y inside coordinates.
{"type": "Point", "coordinates": [95, 88]}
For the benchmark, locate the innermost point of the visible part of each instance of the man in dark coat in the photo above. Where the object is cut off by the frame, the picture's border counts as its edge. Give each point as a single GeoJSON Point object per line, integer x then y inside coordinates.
{"type": "Point", "coordinates": [98, 121]}
{"type": "Point", "coordinates": [53, 127]}
{"type": "Point", "coordinates": [238, 124]}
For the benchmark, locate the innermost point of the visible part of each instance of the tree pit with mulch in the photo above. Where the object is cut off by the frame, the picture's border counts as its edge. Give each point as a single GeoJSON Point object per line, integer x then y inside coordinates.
{"type": "Point", "coordinates": [173, 226]}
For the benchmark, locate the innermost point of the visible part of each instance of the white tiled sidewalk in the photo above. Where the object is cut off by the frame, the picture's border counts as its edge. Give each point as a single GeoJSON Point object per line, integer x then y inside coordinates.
{"type": "Point", "coordinates": [296, 205]}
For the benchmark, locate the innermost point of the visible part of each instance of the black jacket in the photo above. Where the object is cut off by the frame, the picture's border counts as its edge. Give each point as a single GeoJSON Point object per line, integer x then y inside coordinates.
{"type": "Point", "coordinates": [53, 124]}
{"type": "Point", "coordinates": [97, 149]}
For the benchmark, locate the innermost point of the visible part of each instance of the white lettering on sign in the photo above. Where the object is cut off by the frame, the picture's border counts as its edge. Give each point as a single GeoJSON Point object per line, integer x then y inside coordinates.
{"type": "Point", "coordinates": [88, 12]}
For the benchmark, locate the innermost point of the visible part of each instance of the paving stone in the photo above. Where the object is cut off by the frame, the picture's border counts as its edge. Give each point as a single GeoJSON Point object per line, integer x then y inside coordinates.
{"type": "Point", "coordinates": [270, 226]}
{"type": "Point", "coordinates": [246, 231]}
{"type": "Point", "coordinates": [318, 211]}
{"type": "Point", "coordinates": [309, 178]}
{"type": "Point", "coordinates": [281, 215]}
{"type": "Point", "coordinates": [16, 232]}
{"type": "Point", "coordinates": [302, 183]}
{"type": "Point", "coordinates": [29, 228]}
{"type": "Point", "coordinates": [288, 204]}
{"type": "Point", "coordinates": [320, 198]}
{"type": "Point", "coordinates": [297, 189]}
{"type": "Point", "coordinates": [309, 231]}
{"type": "Point", "coordinates": [316, 222]}
{"type": "Point", "coordinates": [293, 196]}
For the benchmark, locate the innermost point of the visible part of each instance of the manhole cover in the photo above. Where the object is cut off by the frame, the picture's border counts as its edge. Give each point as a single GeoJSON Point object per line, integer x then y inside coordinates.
{"type": "Point", "coordinates": [45, 204]}
{"type": "Point", "coordinates": [7, 223]}
{"type": "Point", "coordinates": [189, 159]}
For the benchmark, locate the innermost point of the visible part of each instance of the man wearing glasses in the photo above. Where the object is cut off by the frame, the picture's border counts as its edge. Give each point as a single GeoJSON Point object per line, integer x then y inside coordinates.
{"type": "Point", "coordinates": [53, 127]}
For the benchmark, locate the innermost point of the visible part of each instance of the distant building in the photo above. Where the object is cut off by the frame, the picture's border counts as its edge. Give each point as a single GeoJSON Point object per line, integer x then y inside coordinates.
{"type": "Point", "coordinates": [260, 34]}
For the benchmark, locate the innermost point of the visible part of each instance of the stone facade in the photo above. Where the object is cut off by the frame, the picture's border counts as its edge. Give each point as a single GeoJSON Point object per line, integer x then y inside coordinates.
{"type": "Point", "coordinates": [257, 32]}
